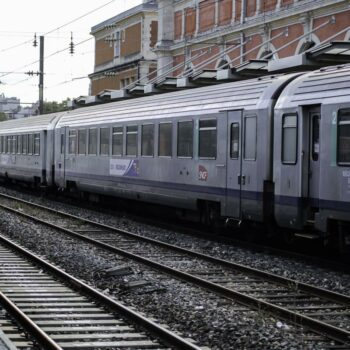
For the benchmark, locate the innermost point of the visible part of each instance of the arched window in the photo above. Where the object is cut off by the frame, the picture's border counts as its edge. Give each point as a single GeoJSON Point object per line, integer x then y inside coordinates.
{"type": "Point", "coordinates": [223, 64]}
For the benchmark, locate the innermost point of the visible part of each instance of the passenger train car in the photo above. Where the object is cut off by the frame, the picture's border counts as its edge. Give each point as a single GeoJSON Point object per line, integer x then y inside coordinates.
{"type": "Point", "coordinates": [273, 150]}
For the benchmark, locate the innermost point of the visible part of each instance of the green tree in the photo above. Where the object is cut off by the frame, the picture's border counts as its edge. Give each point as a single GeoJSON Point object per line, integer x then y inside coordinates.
{"type": "Point", "coordinates": [54, 106]}
{"type": "Point", "coordinates": [3, 116]}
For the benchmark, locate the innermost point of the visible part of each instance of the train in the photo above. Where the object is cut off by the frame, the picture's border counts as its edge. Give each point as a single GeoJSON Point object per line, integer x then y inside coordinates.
{"type": "Point", "coordinates": [273, 150]}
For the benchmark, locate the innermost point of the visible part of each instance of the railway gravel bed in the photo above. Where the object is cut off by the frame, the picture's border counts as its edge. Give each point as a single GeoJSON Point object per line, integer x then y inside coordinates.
{"type": "Point", "coordinates": [61, 312]}
{"type": "Point", "coordinates": [292, 268]}
{"type": "Point", "coordinates": [219, 321]}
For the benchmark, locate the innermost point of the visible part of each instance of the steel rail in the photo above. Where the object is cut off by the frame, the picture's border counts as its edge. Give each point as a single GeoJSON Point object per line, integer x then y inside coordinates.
{"type": "Point", "coordinates": [333, 296]}
{"type": "Point", "coordinates": [40, 336]}
{"type": "Point", "coordinates": [292, 316]}
{"type": "Point", "coordinates": [166, 336]}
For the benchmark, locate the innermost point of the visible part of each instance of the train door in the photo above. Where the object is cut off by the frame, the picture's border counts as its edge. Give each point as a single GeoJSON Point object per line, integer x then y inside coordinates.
{"type": "Point", "coordinates": [234, 165]}
{"type": "Point", "coordinates": [314, 117]}
{"type": "Point", "coordinates": [61, 156]}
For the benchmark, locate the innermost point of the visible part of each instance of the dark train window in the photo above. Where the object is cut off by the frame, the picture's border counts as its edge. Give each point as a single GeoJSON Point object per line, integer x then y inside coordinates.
{"type": "Point", "coordinates": [131, 140]}
{"type": "Point", "coordinates": [72, 148]}
{"type": "Point", "coordinates": [250, 138]}
{"type": "Point", "coordinates": [117, 141]}
{"type": "Point", "coordinates": [185, 139]}
{"type": "Point", "coordinates": [92, 141]}
{"type": "Point", "coordinates": [19, 144]}
{"type": "Point", "coordinates": [104, 141]}
{"type": "Point", "coordinates": [207, 139]}
{"type": "Point", "coordinates": [62, 143]}
{"type": "Point", "coordinates": [147, 140]}
{"type": "Point", "coordinates": [30, 143]}
{"type": "Point", "coordinates": [8, 144]}
{"type": "Point", "coordinates": [234, 145]}
{"type": "Point", "coordinates": [289, 139]}
{"type": "Point", "coordinates": [343, 149]}
{"type": "Point", "coordinates": [37, 144]}
{"type": "Point", "coordinates": [165, 140]}
{"type": "Point", "coordinates": [82, 142]}
{"type": "Point", "coordinates": [315, 148]}
{"type": "Point", "coordinates": [24, 144]}
{"type": "Point", "coordinates": [14, 145]}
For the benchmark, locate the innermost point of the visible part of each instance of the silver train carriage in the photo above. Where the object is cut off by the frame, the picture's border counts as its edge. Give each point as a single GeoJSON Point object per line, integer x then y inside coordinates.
{"type": "Point", "coordinates": [272, 149]}
{"type": "Point", "coordinates": [26, 152]}
{"type": "Point", "coordinates": [196, 149]}
{"type": "Point", "coordinates": [312, 152]}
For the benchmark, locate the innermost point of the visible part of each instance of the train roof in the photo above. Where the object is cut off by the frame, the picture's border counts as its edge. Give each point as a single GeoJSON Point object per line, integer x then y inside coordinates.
{"type": "Point", "coordinates": [248, 94]}
{"type": "Point", "coordinates": [30, 124]}
{"type": "Point", "coordinates": [324, 86]}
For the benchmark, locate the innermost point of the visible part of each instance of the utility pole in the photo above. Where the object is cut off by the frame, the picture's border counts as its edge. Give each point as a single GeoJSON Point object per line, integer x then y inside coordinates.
{"type": "Point", "coordinates": [41, 76]}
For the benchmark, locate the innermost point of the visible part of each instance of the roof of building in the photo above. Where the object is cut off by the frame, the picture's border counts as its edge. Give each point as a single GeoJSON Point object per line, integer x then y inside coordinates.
{"type": "Point", "coordinates": [147, 6]}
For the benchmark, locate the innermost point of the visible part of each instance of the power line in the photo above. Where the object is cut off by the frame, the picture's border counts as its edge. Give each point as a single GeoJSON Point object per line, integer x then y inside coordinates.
{"type": "Point", "coordinates": [58, 28]}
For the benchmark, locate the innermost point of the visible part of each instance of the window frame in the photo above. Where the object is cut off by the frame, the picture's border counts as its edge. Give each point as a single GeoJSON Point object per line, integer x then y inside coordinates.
{"type": "Point", "coordinates": [296, 138]}
{"type": "Point", "coordinates": [113, 138]}
{"type": "Point", "coordinates": [177, 139]}
{"type": "Point", "coordinates": [231, 139]}
{"type": "Point", "coordinates": [80, 131]}
{"type": "Point", "coordinates": [142, 136]}
{"type": "Point", "coordinates": [108, 130]}
{"type": "Point", "coordinates": [36, 136]}
{"type": "Point", "coordinates": [126, 139]}
{"type": "Point", "coordinates": [245, 118]}
{"type": "Point", "coordinates": [89, 151]}
{"type": "Point", "coordinates": [206, 128]}
{"type": "Point", "coordinates": [171, 139]}
{"type": "Point", "coordinates": [70, 133]}
{"type": "Point", "coordinates": [344, 110]}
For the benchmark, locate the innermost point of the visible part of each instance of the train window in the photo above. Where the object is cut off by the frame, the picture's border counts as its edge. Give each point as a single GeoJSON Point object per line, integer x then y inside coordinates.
{"type": "Point", "coordinates": [1, 143]}
{"type": "Point", "coordinates": [82, 142]}
{"type": "Point", "coordinates": [131, 140]}
{"type": "Point", "coordinates": [165, 140]}
{"type": "Point", "coordinates": [14, 145]}
{"type": "Point", "coordinates": [19, 144]}
{"type": "Point", "coordinates": [93, 141]}
{"type": "Point", "coordinates": [72, 147]}
{"type": "Point", "coordinates": [147, 140]}
{"type": "Point", "coordinates": [8, 144]}
{"type": "Point", "coordinates": [207, 139]}
{"type": "Point", "coordinates": [234, 146]}
{"type": "Point", "coordinates": [250, 138]}
{"type": "Point", "coordinates": [117, 141]}
{"type": "Point", "coordinates": [24, 144]}
{"type": "Point", "coordinates": [37, 144]}
{"type": "Point", "coordinates": [185, 139]}
{"type": "Point", "coordinates": [343, 151]}
{"type": "Point", "coordinates": [315, 137]}
{"type": "Point", "coordinates": [104, 141]}
{"type": "Point", "coordinates": [30, 143]}
{"type": "Point", "coordinates": [289, 139]}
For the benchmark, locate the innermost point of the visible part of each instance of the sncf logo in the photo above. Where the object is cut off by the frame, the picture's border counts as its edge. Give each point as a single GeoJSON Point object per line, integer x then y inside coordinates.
{"type": "Point", "coordinates": [202, 173]}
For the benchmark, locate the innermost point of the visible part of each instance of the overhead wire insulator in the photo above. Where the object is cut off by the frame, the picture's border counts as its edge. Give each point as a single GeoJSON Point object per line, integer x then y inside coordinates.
{"type": "Point", "coordinates": [71, 45]}
{"type": "Point", "coordinates": [35, 42]}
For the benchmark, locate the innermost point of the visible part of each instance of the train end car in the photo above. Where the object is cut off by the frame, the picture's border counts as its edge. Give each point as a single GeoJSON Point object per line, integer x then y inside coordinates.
{"type": "Point", "coordinates": [26, 151]}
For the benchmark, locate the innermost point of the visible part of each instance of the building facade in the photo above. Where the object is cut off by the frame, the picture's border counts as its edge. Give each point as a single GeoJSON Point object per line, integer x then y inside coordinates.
{"type": "Point", "coordinates": [124, 48]}
{"type": "Point", "coordinates": [214, 34]}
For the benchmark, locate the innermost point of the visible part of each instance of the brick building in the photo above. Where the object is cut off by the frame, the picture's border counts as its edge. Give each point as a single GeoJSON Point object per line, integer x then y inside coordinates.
{"type": "Point", "coordinates": [123, 48]}
{"type": "Point", "coordinates": [230, 32]}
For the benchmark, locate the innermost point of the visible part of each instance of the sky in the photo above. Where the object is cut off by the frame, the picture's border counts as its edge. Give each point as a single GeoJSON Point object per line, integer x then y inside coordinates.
{"type": "Point", "coordinates": [65, 74]}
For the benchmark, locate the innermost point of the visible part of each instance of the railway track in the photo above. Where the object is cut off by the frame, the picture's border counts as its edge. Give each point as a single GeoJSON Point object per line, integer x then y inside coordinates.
{"type": "Point", "coordinates": [321, 311]}
{"type": "Point", "coordinates": [60, 312]}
